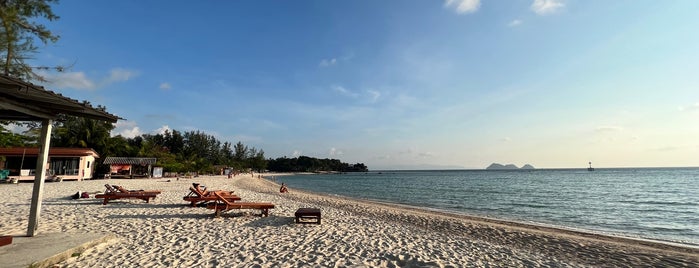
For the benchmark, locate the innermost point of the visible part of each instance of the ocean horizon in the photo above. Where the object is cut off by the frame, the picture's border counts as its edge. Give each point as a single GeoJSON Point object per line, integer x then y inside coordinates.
{"type": "Point", "coordinates": [645, 203]}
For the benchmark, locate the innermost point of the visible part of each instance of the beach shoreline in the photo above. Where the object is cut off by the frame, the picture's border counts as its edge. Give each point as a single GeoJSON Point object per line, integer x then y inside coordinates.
{"type": "Point", "coordinates": [354, 232]}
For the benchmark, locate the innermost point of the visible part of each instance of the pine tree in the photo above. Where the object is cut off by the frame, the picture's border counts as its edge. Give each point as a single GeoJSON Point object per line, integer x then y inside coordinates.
{"type": "Point", "coordinates": [18, 33]}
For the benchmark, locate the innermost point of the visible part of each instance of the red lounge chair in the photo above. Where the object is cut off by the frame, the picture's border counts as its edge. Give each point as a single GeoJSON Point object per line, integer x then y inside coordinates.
{"type": "Point", "coordinates": [204, 192]}
{"type": "Point", "coordinates": [196, 196]}
{"type": "Point", "coordinates": [114, 192]}
{"type": "Point", "coordinates": [126, 191]}
{"type": "Point", "coordinates": [222, 205]}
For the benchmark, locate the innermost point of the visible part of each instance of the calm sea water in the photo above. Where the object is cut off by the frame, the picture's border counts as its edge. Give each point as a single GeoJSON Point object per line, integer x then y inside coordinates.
{"type": "Point", "coordinates": [652, 203]}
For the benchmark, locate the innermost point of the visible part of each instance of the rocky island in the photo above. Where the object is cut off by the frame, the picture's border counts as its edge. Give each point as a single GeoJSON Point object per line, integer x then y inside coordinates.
{"type": "Point", "coordinates": [496, 166]}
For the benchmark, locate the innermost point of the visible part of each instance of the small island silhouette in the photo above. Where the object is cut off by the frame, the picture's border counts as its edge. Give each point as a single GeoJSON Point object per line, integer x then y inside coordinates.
{"type": "Point", "coordinates": [496, 166]}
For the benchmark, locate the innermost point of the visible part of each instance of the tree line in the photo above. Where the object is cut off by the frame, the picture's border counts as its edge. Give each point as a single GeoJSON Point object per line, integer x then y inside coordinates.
{"type": "Point", "coordinates": [310, 164]}
{"type": "Point", "coordinates": [176, 151]}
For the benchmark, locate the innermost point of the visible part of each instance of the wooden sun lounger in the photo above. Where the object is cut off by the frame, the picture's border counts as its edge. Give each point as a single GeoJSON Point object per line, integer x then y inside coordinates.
{"type": "Point", "coordinates": [204, 192]}
{"type": "Point", "coordinates": [113, 196]}
{"type": "Point", "coordinates": [117, 192]}
{"type": "Point", "coordinates": [195, 197]}
{"type": "Point", "coordinates": [222, 204]}
{"type": "Point", "coordinates": [126, 191]}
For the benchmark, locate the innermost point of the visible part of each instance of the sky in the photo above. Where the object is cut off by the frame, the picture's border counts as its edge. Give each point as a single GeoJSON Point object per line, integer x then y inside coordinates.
{"type": "Point", "coordinates": [397, 84]}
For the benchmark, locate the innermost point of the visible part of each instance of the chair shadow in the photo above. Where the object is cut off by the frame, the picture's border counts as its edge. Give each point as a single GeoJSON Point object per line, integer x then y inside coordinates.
{"type": "Point", "coordinates": [160, 216]}
{"type": "Point", "coordinates": [273, 221]}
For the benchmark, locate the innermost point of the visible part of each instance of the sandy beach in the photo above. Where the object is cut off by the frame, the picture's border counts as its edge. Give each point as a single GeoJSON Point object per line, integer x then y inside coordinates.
{"type": "Point", "coordinates": [168, 233]}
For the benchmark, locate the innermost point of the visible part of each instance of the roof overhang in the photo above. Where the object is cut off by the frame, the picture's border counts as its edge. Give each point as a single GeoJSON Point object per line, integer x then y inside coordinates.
{"type": "Point", "coordinates": [22, 101]}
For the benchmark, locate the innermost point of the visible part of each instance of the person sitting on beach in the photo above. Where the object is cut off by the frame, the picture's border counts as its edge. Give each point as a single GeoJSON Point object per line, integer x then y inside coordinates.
{"type": "Point", "coordinates": [283, 189]}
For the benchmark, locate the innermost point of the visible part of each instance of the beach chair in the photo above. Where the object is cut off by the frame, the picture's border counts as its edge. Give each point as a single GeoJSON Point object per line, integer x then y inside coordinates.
{"type": "Point", "coordinates": [114, 192]}
{"type": "Point", "coordinates": [196, 196]}
{"type": "Point", "coordinates": [204, 192]}
{"type": "Point", "coordinates": [126, 191]}
{"type": "Point", "coordinates": [222, 204]}
{"type": "Point", "coordinates": [110, 189]}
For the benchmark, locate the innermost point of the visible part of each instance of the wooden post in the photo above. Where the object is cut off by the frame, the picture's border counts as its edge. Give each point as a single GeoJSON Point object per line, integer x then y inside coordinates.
{"type": "Point", "coordinates": [40, 176]}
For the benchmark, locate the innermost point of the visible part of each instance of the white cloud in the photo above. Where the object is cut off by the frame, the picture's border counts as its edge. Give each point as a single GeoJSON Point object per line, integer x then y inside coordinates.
{"type": "Point", "coordinates": [15, 128]}
{"type": "Point", "coordinates": [463, 6]}
{"type": "Point", "coordinates": [127, 129]}
{"type": "Point", "coordinates": [425, 154]}
{"type": "Point", "coordinates": [373, 95]}
{"type": "Point", "coordinates": [692, 107]}
{"type": "Point", "coordinates": [544, 7]}
{"type": "Point", "coordinates": [165, 86]}
{"type": "Point", "coordinates": [608, 129]}
{"type": "Point", "coordinates": [162, 129]}
{"type": "Point", "coordinates": [119, 75]}
{"type": "Point", "coordinates": [75, 80]}
{"type": "Point", "coordinates": [327, 62]}
{"type": "Point", "coordinates": [78, 80]}
{"type": "Point", "coordinates": [370, 96]}
{"type": "Point", "coordinates": [296, 153]}
{"type": "Point", "coordinates": [333, 152]}
{"type": "Point", "coordinates": [506, 139]}
{"type": "Point", "coordinates": [514, 23]}
{"type": "Point", "coordinates": [343, 91]}
{"type": "Point", "coordinates": [340, 89]}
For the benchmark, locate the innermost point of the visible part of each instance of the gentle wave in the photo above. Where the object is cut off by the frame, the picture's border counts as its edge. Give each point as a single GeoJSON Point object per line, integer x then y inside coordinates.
{"type": "Point", "coordinates": [659, 204]}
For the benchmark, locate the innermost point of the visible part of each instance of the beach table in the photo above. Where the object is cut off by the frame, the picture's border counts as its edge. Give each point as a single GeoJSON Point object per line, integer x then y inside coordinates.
{"type": "Point", "coordinates": [307, 213]}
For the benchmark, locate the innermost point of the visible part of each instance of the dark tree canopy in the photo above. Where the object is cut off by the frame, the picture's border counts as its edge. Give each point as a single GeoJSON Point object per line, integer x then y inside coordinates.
{"type": "Point", "coordinates": [310, 164]}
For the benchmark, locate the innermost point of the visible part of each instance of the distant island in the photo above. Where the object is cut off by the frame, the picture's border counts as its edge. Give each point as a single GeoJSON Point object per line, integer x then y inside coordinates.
{"type": "Point", "coordinates": [496, 166]}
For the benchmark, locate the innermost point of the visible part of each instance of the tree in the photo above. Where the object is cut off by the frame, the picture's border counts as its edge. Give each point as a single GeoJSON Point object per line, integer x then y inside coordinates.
{"type": "Point", "coordinates": [9, 139]}
{"type": "Point", "coordinates": [83, 132]}
{"type": "Point", "coordinates": [17, 35]}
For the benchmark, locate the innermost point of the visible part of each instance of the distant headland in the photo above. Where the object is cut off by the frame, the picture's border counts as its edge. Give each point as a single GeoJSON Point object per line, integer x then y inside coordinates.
{"type": "Point", "coordinates": [496, 166]}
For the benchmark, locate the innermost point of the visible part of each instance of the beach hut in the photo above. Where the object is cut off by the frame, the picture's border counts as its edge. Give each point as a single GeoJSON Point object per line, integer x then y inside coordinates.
{"type": "Point", "coordinates": [22, 101]}
{"type": "Point", "coordinates": [130, 167]}
{"type": "Point", "coordinates": [62, 163]}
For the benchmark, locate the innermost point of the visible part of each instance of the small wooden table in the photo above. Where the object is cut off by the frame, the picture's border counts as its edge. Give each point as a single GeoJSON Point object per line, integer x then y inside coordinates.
{"type": "Point", "coordinates": [307, 213]}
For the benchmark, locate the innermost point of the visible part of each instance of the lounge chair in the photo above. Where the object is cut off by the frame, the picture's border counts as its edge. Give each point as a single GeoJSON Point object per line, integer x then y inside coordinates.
{"type": "Point", "coordinates": [204, 192]}
{"type": "Point", "coordinates": [196, 196]}
{"type": "Point", "coordinates": [222, 204]}
{"type": "Point", "coordinates": [110, 189]}
{"type": "Point", "coordinates": [126, 191]}
{"type": "Point", "coordinates": [114, 192]}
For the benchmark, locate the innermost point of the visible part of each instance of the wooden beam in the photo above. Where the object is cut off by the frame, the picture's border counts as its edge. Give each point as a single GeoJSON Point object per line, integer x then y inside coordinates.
{"type": "Point", "coordinates": [38, 192]}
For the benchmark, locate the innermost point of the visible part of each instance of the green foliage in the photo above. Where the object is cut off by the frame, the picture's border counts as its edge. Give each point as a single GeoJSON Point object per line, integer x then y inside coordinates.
{"type": "Point", "coordinates": [310, 164]}
{"type": "Point", "coordinates": [192, 151]}
{"type": "Point", "coordinates": [18, 32]}
{"type": "Point", "coordinates": [9, 139]}
{"type": "Point", "coordinates": [82, 132]}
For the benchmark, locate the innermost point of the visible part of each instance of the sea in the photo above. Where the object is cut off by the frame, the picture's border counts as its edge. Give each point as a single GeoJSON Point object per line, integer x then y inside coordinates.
{"type": "Point", "coordinates": [659, 204]}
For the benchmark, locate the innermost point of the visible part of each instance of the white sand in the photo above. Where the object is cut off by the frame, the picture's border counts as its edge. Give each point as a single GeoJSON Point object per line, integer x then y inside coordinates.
{"type": "Point", "coordinates": [168, 233]}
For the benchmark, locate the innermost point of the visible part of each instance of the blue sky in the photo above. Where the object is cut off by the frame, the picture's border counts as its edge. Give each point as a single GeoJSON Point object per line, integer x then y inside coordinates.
{"type": "Point", "coordinates": [397, 84]}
